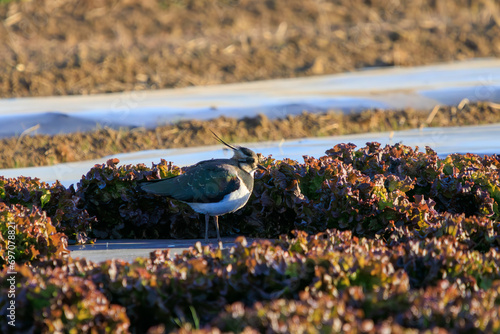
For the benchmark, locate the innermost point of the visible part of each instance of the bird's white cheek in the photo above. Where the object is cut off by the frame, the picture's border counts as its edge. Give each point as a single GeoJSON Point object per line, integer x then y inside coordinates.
{"type": "Point", "coordinates": [246, 168]}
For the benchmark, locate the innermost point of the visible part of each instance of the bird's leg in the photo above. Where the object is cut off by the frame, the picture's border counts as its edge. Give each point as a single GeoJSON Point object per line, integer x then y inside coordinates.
{"type": "Point", "coordinates": [216, 218]}
{"type": "Point", "coordinates": [207, 219]}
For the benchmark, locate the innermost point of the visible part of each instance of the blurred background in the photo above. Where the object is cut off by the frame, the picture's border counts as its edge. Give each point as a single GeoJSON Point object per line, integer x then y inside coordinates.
{"type": "Point", "coordinates": [81, 81]}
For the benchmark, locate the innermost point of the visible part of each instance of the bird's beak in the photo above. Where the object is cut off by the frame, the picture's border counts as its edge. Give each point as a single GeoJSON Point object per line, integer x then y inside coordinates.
{"type": "Point", "coordinates": [261, 167]}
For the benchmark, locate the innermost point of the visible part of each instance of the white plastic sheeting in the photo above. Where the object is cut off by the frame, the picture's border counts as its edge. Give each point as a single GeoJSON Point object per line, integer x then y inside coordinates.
{"type": "Point", "coordinates": [417, 87]}
{"type": "Point", "coordinates": [477, 139]}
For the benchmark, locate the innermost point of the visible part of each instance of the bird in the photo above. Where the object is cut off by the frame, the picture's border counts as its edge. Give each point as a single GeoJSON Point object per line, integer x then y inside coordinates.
{"type": "Point", "coordinates": [212, 187]}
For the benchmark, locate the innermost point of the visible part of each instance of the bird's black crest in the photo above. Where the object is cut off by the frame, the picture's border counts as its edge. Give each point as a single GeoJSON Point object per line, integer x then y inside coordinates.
{"type": "Point", "coordinates": [223, 142]}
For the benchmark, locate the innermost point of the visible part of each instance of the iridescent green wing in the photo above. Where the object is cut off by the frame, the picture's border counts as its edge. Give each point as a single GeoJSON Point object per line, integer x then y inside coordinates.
{"type": "Point", "coordinates": [203, 183]}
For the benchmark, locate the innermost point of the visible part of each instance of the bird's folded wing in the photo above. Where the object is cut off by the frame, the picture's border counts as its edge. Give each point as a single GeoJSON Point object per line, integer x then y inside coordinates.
{"type": "Point", "coordinates": [200, 185]}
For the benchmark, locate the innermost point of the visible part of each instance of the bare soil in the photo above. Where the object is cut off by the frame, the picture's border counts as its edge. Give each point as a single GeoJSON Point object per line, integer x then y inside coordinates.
{"type": "Point", "coordinates": [97, 46]}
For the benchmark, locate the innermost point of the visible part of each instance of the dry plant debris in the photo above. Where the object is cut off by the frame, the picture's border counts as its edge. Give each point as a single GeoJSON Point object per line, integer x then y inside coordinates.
{"type": "Point", "coordinates": [40, 150]}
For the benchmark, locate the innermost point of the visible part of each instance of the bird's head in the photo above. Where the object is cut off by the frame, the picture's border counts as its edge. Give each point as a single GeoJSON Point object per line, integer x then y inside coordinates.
{"type": "Point", "coordinates": [247, 159]}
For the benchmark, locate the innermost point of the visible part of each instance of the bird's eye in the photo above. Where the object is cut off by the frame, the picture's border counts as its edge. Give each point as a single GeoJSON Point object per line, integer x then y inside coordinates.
{"type": "Point", "coordinates": [250, 160]}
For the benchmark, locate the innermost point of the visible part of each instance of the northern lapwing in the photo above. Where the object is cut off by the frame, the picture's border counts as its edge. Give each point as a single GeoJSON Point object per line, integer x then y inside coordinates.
{"type": "Point", "coordinates": [212, 187]}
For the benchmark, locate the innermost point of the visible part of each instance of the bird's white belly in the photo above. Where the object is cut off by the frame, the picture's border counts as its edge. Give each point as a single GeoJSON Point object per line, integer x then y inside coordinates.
{"type": "Point", "coordinates": [229, 203]}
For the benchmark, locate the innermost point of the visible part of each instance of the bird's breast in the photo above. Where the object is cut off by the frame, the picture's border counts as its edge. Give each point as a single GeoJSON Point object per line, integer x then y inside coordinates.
{"type": "Point", "coordinates": [230, 203]}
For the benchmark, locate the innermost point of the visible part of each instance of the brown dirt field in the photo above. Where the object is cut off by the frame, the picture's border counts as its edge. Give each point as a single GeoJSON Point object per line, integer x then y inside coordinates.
{"type": "Point", "coordinates": [47, 150]}
{"type": "Point", "coordinates": [98, 46]}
